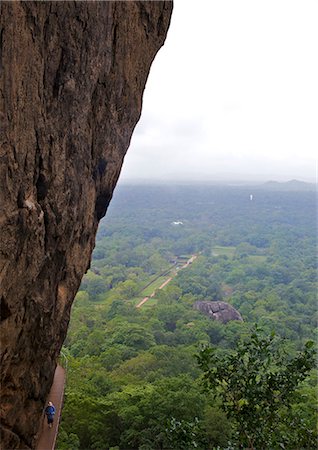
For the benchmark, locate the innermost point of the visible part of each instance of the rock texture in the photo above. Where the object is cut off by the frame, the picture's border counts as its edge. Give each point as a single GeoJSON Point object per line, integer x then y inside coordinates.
{"type": "Point", "coordinates": [72, 78]}
{"type": "Point", "coordinates": [221, 311]}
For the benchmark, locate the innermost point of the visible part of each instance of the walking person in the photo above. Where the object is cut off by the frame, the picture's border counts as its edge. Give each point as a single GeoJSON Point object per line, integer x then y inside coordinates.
{"type": "Point", "coordinates": [49, 412]}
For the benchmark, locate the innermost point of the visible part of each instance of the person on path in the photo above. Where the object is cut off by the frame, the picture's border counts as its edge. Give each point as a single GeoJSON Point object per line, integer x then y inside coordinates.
{"type": "Point", "coordinates": [49, 412]}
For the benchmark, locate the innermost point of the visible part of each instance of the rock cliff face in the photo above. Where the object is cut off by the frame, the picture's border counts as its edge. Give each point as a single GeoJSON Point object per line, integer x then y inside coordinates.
{"type": "Point", "coordinates": [221, 311]}
{"type": "Point", "coordinates": [72, 78]}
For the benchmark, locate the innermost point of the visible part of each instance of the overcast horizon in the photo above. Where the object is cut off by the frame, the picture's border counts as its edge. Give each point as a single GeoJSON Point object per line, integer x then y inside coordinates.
{"type": "Point", "coordinates": [232, 95]}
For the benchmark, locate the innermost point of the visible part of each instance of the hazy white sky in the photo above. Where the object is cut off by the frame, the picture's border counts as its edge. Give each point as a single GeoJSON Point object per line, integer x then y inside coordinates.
{"type": "Point", "coordinates": [233, 94]}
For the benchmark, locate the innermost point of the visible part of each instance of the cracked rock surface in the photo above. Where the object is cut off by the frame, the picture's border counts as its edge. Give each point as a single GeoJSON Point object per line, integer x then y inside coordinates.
{"type": "Point", "coordinates": [72, 78]}
{"type": "Point", "coordinates": [221, 311]}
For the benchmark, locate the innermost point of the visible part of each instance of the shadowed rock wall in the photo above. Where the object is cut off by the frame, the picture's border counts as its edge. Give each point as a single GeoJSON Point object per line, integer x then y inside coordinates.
{"type": "Point", "coordinates": [72, 78]}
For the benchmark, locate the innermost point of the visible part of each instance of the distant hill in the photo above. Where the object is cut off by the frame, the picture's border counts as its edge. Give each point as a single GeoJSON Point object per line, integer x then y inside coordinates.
{"type": "Point", "coordinates": [292, 185]}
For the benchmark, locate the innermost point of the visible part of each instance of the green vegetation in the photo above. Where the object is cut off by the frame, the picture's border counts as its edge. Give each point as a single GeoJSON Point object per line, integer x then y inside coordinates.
{"type": "Point", "coordinates": [223, 251]}
{"type": "Point", "coordinates": [256, 385]}
{"type": "Point", "coordinates": [133, 381]}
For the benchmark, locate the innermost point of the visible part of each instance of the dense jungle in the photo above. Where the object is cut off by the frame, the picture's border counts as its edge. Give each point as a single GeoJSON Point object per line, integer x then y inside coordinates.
{"type": "Point", "coordinates": [145, 370]}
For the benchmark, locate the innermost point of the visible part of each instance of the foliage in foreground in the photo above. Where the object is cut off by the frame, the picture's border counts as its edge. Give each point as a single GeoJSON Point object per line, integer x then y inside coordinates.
{"type": "Point", "coordinates": [256, 385]}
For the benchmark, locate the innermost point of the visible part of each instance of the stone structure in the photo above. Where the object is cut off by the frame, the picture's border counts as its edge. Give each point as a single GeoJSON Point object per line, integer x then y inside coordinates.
{"type": "Point", "coordinates": [72, 79]}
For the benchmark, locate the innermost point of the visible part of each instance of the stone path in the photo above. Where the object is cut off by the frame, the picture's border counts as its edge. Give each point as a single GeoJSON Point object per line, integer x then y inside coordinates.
{"type": "Point", "coordinates": [47, 439]}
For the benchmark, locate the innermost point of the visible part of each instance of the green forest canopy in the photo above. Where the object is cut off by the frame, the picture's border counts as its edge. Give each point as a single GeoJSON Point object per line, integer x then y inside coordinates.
{"type": "Point", "coordinates": [132, 374]}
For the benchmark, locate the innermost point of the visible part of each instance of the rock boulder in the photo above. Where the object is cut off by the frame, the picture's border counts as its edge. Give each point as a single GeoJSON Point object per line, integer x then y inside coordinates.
{"type": "Point", "coordinates": [221, 311]}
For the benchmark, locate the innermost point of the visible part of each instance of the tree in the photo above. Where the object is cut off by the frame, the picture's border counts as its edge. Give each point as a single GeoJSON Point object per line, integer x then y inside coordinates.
{"type": "Point", "coordinates": [68, 441]}
{"type": "Point", "coordinates": [144, 410]}
{"type": "Point", "coordinates": [156, 263]}
{"type": "Point", "coordinates": [183, 435]}
{"type": "Point", "coordinates": [256, 385]}
{"type": "Point", "coordinates": [128, 289]}
{"type": "Point", "coordinates": [133, 335]}
{"type": "Point", "coordinates": [94, 285]}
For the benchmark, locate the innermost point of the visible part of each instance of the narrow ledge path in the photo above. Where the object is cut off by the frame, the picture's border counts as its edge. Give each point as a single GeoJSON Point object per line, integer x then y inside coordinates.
{"type": "Point", "coordinates": [48, 436]}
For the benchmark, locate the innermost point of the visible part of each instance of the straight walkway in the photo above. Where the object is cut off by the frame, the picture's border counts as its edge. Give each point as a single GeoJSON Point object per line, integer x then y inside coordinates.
{"type": "Point", "coordinates": [47, 438]}
{"type": "Point", "coordinates": [144, 300]}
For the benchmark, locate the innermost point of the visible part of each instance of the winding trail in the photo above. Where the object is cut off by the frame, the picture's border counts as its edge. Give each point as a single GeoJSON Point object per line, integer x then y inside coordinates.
{"type": "Point", "coordinates": [47, 436]}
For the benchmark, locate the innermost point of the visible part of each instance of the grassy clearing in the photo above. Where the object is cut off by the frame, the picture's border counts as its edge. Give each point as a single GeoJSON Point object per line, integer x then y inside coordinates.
{"type": "Point", "coordinates": [135, 300]}
{"type": "Point", "coordinates": [257, 258]}
{"type": "Point", "coordinates": [149, 290]}
{"type": "Point", "coordinates": [150, 303]}
{"type": "Point", "coordinates": [223, 251]}
{"type": "Point", "coordinates": [153, 286]}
